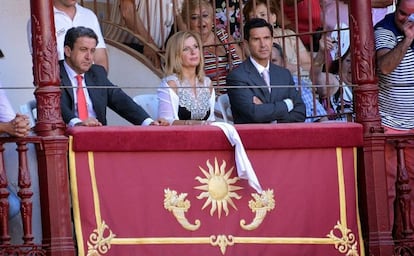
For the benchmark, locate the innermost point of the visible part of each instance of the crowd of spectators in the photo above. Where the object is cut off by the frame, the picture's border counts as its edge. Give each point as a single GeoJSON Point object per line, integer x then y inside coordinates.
{"type": "Point", "coordinates": [218, 24]}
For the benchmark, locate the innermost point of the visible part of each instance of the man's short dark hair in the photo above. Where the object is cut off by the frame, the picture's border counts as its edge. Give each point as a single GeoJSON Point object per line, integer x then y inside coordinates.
{"type": "Point", "coordinates": [74, 33]}
{"type": "Point", "coordinates": [256, 23]}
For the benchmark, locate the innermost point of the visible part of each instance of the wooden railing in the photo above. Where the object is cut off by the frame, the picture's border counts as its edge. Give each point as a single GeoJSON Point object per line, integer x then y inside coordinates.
{"type": "Point", "coordinates": [25, 193]}
{"type": "Point", "coordinates": [112, 32]}
{"type": "Point", "coordinates": [378, 236]}
{"type": "Point", "coordinates": [403, 232]}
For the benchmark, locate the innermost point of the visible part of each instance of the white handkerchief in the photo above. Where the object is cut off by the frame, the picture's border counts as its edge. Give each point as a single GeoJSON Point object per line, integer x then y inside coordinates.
{"type": "Point", "coordinates": [244, 167]}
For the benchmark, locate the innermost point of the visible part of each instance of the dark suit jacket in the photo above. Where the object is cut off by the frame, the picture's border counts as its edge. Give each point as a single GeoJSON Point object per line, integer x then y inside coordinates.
{"type": "Point", "coordinates": [108, 96]}
{"type": "Point", "coordinates": [273, 107]}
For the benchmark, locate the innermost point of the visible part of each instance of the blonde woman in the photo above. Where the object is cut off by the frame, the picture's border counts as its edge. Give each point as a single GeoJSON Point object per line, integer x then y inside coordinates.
{"type": "Point", "coordinates": [186, 96]}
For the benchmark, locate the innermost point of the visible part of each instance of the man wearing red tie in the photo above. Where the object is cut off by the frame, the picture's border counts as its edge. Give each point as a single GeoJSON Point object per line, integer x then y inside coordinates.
{"type": "Point", "coordinates": [86, 90]}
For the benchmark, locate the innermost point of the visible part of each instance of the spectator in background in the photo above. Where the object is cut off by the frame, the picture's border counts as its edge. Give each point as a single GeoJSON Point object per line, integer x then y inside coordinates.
{"type": "Point", "coordinates": [16, 125]}
{"type": "Point", "coordinates": [315, 112]}
{"type": "Point", "coordinates": [186, 96]}
{"type": "Point", "coordinates": [81, 102]}
{"type": "Point", "coordinates": [394, 38]}
{"type": "Point", "coordinates": [221, 53]}
{"type": "Point", "coordinates": [228, 17]}
{"type": "Point", "coordinates": [265, 92]}
{"type": "Point", "coordinates": [68, 14]}
{"type": "Point", "coordinates": [306, 23]}
{"type": "Point", "coordinates": [338, 80]}
{"type": "Point", "coordinates": [323, 17]}
{"type": "Point", "coordinates": [330, 7]}
{"type": "Point", "coordinates": [152, 20]}
{"type": "Point", "coordinates": [394, 43]}
{"type": "Point", "coordinates": [294, 50]}
{"type": "Point", "coordinates": [380, 8]}
{"type": "Point", "coordinates": [330, 14]}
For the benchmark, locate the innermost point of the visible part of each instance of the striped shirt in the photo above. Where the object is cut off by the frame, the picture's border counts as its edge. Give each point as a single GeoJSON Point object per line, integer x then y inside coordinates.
{"type": "Point", "coordinates": [396, 89]}
{"type": "Point", "coordinates": [217, 67]}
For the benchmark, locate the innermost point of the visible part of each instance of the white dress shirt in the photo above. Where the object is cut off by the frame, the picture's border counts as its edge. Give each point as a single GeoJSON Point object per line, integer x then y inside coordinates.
{"type": "Point", "coordinates": [6, 110]}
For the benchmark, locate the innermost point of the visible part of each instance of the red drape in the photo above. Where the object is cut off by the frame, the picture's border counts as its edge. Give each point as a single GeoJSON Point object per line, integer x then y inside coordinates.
{"type": "Point", "coordinates": [148, 193]}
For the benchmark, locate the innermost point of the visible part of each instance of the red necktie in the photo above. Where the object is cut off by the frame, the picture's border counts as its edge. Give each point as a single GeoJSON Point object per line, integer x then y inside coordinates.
{"type": "Point", "coordinates": [82, 108]}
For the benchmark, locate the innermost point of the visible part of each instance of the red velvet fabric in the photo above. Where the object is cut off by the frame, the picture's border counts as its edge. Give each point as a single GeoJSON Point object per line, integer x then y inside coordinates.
{"type": "Point", "coordinates": [126, 189]}
{"type": "Point", "coordinates": [254, 136]}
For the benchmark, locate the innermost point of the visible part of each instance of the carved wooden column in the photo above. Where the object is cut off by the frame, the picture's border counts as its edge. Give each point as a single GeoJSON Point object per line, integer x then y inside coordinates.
{"type": "Point", "coordinates": [372, 178]}
{"type": "Point", "coordinates": [25, 193]}
{"type": "Point", "coordinates": [52, 152]}
{"type": "Point", "coordinates": [4, 202]}
{"type": "Point", "coordinates": [403, 228]}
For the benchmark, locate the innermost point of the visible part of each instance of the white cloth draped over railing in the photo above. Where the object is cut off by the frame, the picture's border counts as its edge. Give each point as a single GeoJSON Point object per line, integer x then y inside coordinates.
{"type": "Point", "coordinates": [243, 165]}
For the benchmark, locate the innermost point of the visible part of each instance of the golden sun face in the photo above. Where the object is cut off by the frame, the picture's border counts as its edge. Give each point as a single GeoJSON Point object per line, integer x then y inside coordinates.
{"type": "Point", "coordinates": [218, 188]}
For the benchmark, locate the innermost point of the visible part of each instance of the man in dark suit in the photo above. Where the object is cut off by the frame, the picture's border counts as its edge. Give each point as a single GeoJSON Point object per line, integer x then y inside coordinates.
{"type": "Point", "coordinates": [259, 101]}
{"type": "Point", "coordinates": [78, 70]}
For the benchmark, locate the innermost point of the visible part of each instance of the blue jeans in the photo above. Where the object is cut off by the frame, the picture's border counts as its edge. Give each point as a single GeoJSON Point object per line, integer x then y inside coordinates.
{"type": "Point", "coordinates": [14, 204]}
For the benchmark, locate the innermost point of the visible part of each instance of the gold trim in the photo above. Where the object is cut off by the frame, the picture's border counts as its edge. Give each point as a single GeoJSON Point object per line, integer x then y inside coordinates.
{"type": "Point", "coordinates": [341, 186]}
{"type": "Point", "coordinates": [346, 242]}
{"type": "Point", "coordinates": [361, 240]}
{"type": "Point", "coordinates": [237, 240]}
{"type": "Point", "coordinates": [263, 203]}
{"type": "Point", "coordinates": [95, 192]}
{"type": "Point", "coordinates": [98, 244]}
{"type": "Point", "coordinates": [75, 198]}
{"type": "Point", "coordinates": [222, 241]}
{"type": "Point", "coordinates": [178, 205]}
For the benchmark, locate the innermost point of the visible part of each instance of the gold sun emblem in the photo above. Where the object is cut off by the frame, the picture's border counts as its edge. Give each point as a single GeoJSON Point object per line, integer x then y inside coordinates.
{"type": "Point", "coordinates": [218, 188]}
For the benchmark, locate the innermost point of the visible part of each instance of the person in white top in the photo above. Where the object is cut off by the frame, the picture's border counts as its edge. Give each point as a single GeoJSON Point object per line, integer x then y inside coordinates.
{"type": "Point", "coordinates": [68, 14]}
{"type": "Point", "coordinates": [330, 7]}
{"type": "Point", "coordinates": [17, 125]}
{"type": "Point", "coordinates": [152, 20]}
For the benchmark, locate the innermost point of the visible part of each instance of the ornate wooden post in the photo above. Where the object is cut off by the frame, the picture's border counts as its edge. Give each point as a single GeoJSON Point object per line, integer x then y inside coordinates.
{"type": "Point", "coordinates": [4, 202]}
{"type": "Point", "coordinates": [52, 152]}
{"type": "Point", "coordinates": [25, 193]}
{"type": "Point", "coordinates": [372, 178]}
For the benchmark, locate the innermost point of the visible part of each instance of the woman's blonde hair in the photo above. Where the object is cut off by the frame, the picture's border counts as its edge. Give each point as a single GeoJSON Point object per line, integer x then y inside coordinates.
{"type": "Point", "coordinates": [190, 5]}
{"type": "Point", "coordinates": [174, 51]}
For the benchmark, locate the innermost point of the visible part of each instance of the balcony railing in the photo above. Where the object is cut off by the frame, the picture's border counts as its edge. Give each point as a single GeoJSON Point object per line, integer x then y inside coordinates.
{"type": "Point", "coordinates": [25, 194]}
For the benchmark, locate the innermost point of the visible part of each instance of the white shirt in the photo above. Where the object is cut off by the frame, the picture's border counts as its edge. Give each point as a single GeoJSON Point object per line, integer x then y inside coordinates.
{"type": "Point", "coordinates": [6, 110]}
{"type": "Point", "coordinates": [158, 18]}
{"type": "Point", "coordinates": [259, 67]}
{"type": "Point", "coordinates": [83, 17]}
